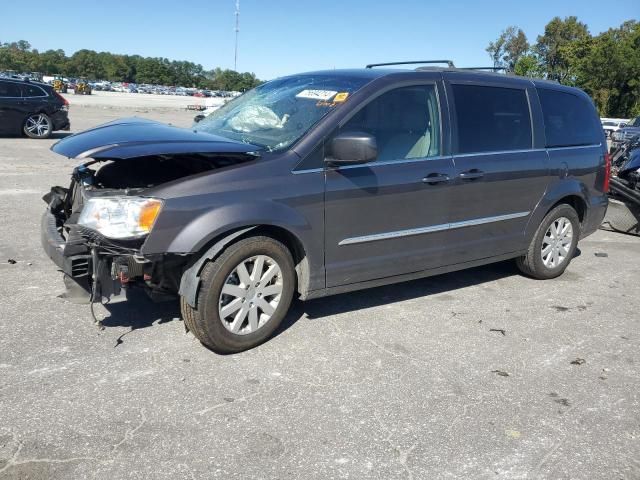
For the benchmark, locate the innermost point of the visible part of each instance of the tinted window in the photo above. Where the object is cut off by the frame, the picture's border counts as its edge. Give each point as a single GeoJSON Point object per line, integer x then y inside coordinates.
{"type": "Point", "coordinates": [9, 89]}
{"type": "Point", "coordinates": [569, 120]}
{"type": "Point", "coordinates": [491, 119]}
{"type": "Point", "coordinates": [405, 122]}
{"type": "Point", "coordinates": [33, 91]}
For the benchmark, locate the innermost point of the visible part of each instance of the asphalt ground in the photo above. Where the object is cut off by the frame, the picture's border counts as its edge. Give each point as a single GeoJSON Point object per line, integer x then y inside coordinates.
{"type": "Point", "coordinates": [478, 374]}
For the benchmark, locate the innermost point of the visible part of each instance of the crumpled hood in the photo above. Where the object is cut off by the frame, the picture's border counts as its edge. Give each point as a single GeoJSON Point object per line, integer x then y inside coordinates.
{"type": "Point", "coordinates": [137, 137]}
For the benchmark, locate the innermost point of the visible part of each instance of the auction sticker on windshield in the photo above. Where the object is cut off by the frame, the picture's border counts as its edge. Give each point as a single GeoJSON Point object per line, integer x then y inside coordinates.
{"type": "Point", "coordinates": [316, 94]}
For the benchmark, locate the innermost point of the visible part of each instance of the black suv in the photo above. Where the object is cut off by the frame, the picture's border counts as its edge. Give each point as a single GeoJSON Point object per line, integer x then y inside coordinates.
{"type": "Point", "coordinates": [327, 182]}
{"type": "Point", "coordinates": [32, 108]}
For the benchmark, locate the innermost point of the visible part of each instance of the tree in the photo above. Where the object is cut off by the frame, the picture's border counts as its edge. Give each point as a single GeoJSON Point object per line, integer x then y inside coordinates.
{"type": "Point", "coordinates": [607, 67]}
{"type": "Point", "coordinates": [550, 47]}
{"type": "Point", "coordinates": [528, 65]}
{"type": "Point", "coordinates": [19, 56]}
{"type": "Point", "coordinates": [509, 47]}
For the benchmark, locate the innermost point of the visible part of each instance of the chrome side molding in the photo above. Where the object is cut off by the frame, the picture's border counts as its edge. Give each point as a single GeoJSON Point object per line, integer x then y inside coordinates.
{"type": "Point", "coordinates": [431, 229]}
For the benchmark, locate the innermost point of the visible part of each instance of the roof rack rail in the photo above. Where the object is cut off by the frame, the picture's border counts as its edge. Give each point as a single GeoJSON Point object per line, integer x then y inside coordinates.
{"type": "Point", "coordinates": [448, 62]}
{"type": "Point", "coordinates": [492, 69]}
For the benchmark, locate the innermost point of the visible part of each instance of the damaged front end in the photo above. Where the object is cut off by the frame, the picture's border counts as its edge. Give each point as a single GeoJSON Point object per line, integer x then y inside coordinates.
{"type": "Point", "coordinates": [95, 229]}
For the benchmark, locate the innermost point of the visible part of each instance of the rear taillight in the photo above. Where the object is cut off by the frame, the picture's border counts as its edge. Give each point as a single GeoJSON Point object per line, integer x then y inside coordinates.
{"type": "Point", "coordinates": [607, 172]}
{"type": "Point", "coordinates": [64, 101]}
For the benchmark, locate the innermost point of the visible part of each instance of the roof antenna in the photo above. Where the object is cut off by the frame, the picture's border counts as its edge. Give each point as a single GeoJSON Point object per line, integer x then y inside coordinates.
{"type": "Point", "coordinates": [235, 62]}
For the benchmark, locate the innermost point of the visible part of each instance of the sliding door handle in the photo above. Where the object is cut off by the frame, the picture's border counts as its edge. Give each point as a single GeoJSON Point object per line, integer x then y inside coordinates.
{"type": "Point", "coordinates": [472, 174]}
{"type": "Point", "coordinates": [434, 178]}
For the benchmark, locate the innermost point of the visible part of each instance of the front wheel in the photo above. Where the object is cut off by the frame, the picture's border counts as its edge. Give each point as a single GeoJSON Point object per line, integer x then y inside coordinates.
{"type": "Point", "coordinates": [244, 295]}
{"type": "Point", "coordinates": [554, 244]}
{"type": "Point", "coordinates": [38, 125]}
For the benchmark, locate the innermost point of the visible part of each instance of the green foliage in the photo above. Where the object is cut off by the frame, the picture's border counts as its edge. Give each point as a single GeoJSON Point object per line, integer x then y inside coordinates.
{"type": "Point", "coordinates": [606, 66]}
{"type": "Point", "coordinates": [551, 47]}
{"type": "Point", "coordinates": [19, 56]}
{"type": "Point", "coordinates": [510, 46]}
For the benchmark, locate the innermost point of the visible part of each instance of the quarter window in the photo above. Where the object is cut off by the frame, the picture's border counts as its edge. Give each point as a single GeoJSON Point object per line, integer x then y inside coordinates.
{"type": "Point", "coordinates": [33, 91]}
{"type": "Point", "coordinates": [9, 89]}
{"type": "Point", "coordinates": [491, 119]}
{"type": "Point", "coordinates": [569, 120]}
{"type": "Point", "coordinates": [405, 122]}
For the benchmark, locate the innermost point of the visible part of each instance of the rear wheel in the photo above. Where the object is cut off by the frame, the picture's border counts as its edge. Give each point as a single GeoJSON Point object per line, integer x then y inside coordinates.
{"type": "Point", "coordinates": [38, 125]}
{"type": "Point", "coordinates": [554, 244]}
{"type": "Point", "coordinates": [244, 295]}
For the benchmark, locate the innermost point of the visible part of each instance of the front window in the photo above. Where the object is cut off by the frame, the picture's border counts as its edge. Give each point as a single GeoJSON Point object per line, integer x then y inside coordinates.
{"type": "Point", "coordinates": [636, 122]}
{"type": "Point", "coordinates": [276, 114]}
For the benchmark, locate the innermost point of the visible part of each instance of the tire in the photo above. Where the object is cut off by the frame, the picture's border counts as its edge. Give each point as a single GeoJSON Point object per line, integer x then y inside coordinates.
{"type": "Point", "coordinates": [38, 125]}
{"type": "Point", "coordinates": [536, 265]}
{"type": "Point", "coordinates": [234, 332]}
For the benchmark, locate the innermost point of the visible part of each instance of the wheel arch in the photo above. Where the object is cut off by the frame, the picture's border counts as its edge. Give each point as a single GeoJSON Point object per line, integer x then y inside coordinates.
{"type": "Point", "coordinates": [571, 192]}
{"type": "Point", "coordinates": [190, 280]}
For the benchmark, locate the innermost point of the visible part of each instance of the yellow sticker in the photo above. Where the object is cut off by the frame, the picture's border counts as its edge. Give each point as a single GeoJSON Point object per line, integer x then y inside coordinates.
{"type": "Point", "coordinates": [340, 97]}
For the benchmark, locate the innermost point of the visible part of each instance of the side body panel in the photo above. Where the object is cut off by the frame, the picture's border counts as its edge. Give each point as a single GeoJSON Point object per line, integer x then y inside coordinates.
{"type": "Point", "coordinates": [199, 211]}
{"type": "Point", "coordinates": [504, 187]}
{"type": "Point", "coordinates": [11, 112]}
{"type": "Point", "coordinates": [382, 218]}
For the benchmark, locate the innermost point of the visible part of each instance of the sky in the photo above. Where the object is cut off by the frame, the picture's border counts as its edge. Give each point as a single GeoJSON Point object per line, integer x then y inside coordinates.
{"type": "Point", "coordinates": [280, 37]}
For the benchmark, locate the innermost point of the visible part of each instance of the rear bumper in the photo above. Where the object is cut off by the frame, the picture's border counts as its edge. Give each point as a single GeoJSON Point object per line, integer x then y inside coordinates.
{"type": "Point", "coordinates": [594, 215]}
{"type": "Point", "coordinates": [60, 120]}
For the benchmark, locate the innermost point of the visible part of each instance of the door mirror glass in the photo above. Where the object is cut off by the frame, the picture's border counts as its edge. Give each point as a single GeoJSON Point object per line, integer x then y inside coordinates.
{"type": "Point", "coordinates": [352, 148]}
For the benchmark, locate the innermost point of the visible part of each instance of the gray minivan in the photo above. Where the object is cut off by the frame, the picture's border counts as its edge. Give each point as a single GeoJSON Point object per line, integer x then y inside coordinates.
{"type": "Point", "coordinates": [327, 182]}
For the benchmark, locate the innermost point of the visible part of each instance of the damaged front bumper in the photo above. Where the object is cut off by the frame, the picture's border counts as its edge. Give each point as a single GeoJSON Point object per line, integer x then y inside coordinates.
{"type": "Point", "coordinates": [95, 267]}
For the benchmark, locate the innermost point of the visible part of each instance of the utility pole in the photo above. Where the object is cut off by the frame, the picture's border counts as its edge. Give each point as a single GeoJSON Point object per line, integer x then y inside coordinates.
{"type": "Point", "coordinates": [235, 62]}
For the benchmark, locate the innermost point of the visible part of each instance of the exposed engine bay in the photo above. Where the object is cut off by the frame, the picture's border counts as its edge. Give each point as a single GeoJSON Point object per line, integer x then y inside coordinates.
{"type": "Point", "coordinates": [97, 266]}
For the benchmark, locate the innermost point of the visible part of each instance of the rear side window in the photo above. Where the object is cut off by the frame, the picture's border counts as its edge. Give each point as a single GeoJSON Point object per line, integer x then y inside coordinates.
{"type": "Point", "coordinates": [569, 120]}
{"type": "Point", "coordinates": [9, 89]}
{"type": "Point", "coordinates": [33, 91]}
{"type": "Point", "coordinates": [491, 119]}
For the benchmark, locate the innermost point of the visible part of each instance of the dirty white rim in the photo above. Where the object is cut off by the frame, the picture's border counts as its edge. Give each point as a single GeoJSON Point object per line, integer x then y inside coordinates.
{"type": "Point", "coordinates": [557, 242]}
{"type": "Point", "coordinates": [38, 125]}
{"type": "Point", "coordinates": [250, 295]}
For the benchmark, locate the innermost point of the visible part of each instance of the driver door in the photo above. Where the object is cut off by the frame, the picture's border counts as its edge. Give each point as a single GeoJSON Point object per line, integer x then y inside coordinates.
{"type": "Point", "coordinates": [390, 216]}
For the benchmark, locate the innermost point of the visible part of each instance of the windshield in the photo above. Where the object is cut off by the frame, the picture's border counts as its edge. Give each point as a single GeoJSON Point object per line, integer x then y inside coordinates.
{"type": "Point", "coordinates": [636, 122]}
{"type": "Point", "coordinates": [609, 124]}
{"type": "Point", "coordinates": [277, 113]}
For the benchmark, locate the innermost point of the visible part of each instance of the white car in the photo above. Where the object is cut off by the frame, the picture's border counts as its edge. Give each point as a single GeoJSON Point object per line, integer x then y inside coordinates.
{"type": "Point", "coordinates": [611, 125]}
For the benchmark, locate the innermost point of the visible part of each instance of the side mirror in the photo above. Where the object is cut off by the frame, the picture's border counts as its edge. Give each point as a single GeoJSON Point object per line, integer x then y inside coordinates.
{"type": "Point", "coordinates": [352, 148]}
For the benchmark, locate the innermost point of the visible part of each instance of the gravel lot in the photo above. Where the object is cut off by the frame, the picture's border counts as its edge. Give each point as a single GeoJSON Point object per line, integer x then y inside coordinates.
{"type": "Point", "coordinates": [467, 375]}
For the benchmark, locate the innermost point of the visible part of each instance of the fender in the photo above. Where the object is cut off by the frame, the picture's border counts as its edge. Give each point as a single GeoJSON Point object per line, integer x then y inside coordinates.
{"type": "Point", "coordinates": [190, 281]}
{"type": "Point", "coordinates": [556, 191]}
{"type": "Point", "coordinates": [210, 223]}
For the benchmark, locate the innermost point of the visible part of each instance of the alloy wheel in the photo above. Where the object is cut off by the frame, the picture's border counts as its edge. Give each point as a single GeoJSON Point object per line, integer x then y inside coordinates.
{"type": "Point", "coordinates": [38, 125]}
{"type": "Point", "coordinates": [556, 243]}
{"type": "Point", "coordinates": [250, 294]}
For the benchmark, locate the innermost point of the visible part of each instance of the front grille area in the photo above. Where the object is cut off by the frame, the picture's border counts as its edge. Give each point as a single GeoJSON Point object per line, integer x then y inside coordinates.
{"type": "Point", "coordinates": [80, 266]}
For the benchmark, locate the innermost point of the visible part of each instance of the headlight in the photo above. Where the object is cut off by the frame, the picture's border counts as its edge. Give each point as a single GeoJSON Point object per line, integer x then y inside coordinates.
{"type": "Point", "coordinates": [120, 217]}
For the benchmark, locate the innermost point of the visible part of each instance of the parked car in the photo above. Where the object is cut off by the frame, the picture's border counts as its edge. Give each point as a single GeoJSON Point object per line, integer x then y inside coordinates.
{"type": "Point", "coordinates": [328, 182]}
{"type": "Point", "coordinates": [613, 125]}
{"type": "Point", "coordinates": [34, 109]}
{"type": "Point", "coordinates": [626, 133]}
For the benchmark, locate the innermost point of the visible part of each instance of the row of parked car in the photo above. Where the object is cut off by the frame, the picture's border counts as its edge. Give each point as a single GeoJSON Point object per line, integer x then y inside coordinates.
{"type": "Point", "coordinates": [159, 89]}
{"type": "Point", "coordinates": [106, 86]}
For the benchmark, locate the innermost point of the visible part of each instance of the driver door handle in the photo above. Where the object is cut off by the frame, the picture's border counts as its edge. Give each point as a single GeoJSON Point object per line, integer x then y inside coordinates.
{"type": "Point", "coordinates": [434, 178]}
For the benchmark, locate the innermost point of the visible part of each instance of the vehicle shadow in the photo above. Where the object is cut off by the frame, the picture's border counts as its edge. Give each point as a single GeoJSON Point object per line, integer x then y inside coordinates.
{"type": "Point", "coordinates": [399, 292]}
{"type": "Point", "coordinates": [139, 311]}
{"type": "Point", "coordinates": [60, 135]}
